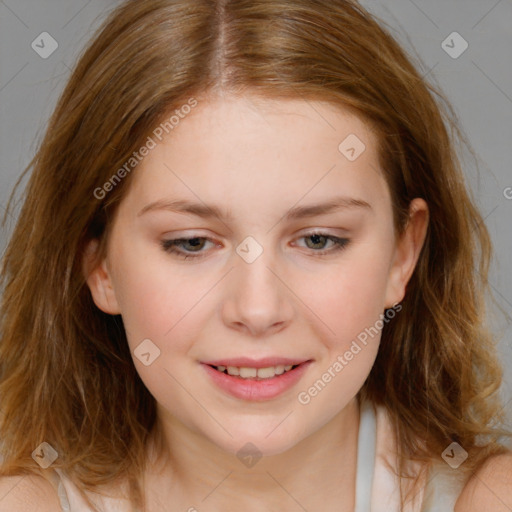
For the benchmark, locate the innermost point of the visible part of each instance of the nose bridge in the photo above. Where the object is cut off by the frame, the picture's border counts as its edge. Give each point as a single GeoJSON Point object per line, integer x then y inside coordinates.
{"type": "Point", "coordinates": [257, 298]}
{"type": "Point", "coordinates": [256, 275]}
{"type": "Point", "coordinates": [255, 281]}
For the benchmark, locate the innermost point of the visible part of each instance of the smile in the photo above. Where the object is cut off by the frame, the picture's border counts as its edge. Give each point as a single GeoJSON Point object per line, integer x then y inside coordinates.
{"type": "Point", "coordinates": [258, 382]}
{"type": "Point", "coordinates": [255, 373]}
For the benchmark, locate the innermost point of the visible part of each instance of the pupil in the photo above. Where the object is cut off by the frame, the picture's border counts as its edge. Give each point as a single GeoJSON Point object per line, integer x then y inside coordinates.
{"type": "Point", "coordinates": [315, 239]}
{"type": "Point", "coordinates": [194, 242]}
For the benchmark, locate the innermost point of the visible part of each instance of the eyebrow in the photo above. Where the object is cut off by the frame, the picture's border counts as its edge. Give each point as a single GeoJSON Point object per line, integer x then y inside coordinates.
{"type": "Point", "coordinates": [297, 212]}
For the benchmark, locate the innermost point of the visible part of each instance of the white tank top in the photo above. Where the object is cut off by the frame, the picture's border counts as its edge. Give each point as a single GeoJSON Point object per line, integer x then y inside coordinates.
{"type": "Point", "coordinates": [376, 485]}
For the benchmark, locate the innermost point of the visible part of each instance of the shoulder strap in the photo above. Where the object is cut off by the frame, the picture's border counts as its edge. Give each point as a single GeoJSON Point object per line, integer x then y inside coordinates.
{"type": "Point", "coordinates": [366, 442]}
{"type": "Point", "coordinates": [55, 478]}
{"type": "Point", "coordinates": [443, 488]}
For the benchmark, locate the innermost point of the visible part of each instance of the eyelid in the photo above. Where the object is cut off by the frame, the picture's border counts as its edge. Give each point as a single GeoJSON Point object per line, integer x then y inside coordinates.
{"type": "Point", "coordinates": [169, 245]}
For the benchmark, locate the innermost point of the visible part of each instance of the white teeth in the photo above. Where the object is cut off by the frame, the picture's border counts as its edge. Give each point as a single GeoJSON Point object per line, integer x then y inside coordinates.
{"type": "Point", "coordinates": [251, 373]}
{"type": "Point", "coordinates": [246, 373]}
{"type": "Point", "coordinates": [266, 373]}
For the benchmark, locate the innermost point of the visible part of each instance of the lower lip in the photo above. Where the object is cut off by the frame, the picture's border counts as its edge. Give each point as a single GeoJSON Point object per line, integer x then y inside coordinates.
{"type": "Point", "coordinates": [256, 390]}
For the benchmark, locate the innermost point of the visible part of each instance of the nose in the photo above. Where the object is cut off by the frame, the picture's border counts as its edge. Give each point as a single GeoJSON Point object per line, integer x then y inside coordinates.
{"type": "Point", "coordinates": [258, 301]}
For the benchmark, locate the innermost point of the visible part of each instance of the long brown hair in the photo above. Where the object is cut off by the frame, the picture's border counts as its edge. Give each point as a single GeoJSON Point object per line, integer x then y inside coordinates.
{"type": "Point", "coordinates": [66, 373]}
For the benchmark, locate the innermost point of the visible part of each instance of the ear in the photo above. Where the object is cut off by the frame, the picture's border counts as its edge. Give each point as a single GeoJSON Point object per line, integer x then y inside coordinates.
{"type": "Point", "coordinates": [99, 280]}
{"type": "Point", "coordinates": [407, 252]}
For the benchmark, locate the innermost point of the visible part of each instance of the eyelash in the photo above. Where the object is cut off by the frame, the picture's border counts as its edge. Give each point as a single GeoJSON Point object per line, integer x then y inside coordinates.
{"type": "Point", "coordinates": [170, 245]}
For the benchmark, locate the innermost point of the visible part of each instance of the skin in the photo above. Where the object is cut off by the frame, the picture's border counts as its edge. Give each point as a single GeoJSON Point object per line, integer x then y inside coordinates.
{"type": "Point", "coordinates": [256, 158]}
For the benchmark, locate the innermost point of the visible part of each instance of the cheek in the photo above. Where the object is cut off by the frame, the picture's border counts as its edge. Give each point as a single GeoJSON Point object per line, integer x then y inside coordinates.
{"type": "Point", "coordinates": [351, 305]}
{"type": "Point", "coordinates": [152, 296]}
{"type": "Point", "coordinates": [350, 295]}
{"type": "Point", "coordinates": [158, 300]}
{"type": "Point", "coordinates": [160, 304]}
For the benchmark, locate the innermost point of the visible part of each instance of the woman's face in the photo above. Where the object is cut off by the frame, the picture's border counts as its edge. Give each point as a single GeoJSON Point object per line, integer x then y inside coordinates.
{"type": "Point", "coordinates": [296, 269]}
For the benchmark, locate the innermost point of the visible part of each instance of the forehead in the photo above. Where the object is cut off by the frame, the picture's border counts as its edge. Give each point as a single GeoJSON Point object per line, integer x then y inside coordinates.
{"type": "Point", "coordinates": [252, 150]}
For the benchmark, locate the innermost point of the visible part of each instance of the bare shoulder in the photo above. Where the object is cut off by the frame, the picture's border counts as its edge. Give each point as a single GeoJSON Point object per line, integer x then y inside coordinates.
{"type": "Point", "coordinates": [490, 488]}
{"type": "Point", "coordinates": [28, 493]}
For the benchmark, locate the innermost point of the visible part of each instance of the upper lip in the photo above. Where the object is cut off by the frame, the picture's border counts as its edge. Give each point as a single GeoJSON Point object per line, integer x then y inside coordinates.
{"type": "Point", "coordinates": [247, 362]}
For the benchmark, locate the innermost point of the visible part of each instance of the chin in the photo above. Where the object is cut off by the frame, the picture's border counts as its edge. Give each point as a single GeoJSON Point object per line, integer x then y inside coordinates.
{"type": "Point", "coordinates": [264, 440]}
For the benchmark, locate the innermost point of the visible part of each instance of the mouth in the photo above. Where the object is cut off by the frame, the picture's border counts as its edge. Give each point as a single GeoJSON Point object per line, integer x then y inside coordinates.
{"type": "Point", "coordinates": [249, 373]}
{"type": "Point", "coordinates": [256, 380]}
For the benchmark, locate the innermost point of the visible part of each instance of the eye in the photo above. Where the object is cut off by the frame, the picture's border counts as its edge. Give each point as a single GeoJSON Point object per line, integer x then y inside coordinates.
{"type": "Point", "coordinates": [197, 243]}
{"type": "Point", "coordinates": [320, 239]}
{"type": "Point", "coordinates": [191, 247]}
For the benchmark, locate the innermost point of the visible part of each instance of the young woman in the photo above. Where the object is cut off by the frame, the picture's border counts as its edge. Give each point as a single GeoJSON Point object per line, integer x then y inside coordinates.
{"type": "Point", "coordinates": [248, 275]}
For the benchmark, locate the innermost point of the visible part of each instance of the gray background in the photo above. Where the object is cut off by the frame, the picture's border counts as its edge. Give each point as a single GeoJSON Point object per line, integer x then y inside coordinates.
{"type": "Point", "coordinates": [478, 84]}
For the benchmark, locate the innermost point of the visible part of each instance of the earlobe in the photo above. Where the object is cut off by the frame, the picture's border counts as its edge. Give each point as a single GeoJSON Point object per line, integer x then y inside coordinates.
{"type": "Point", "coordinates": [99, 281]}
{"type": "Point", "coordinates": [407, 252]}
